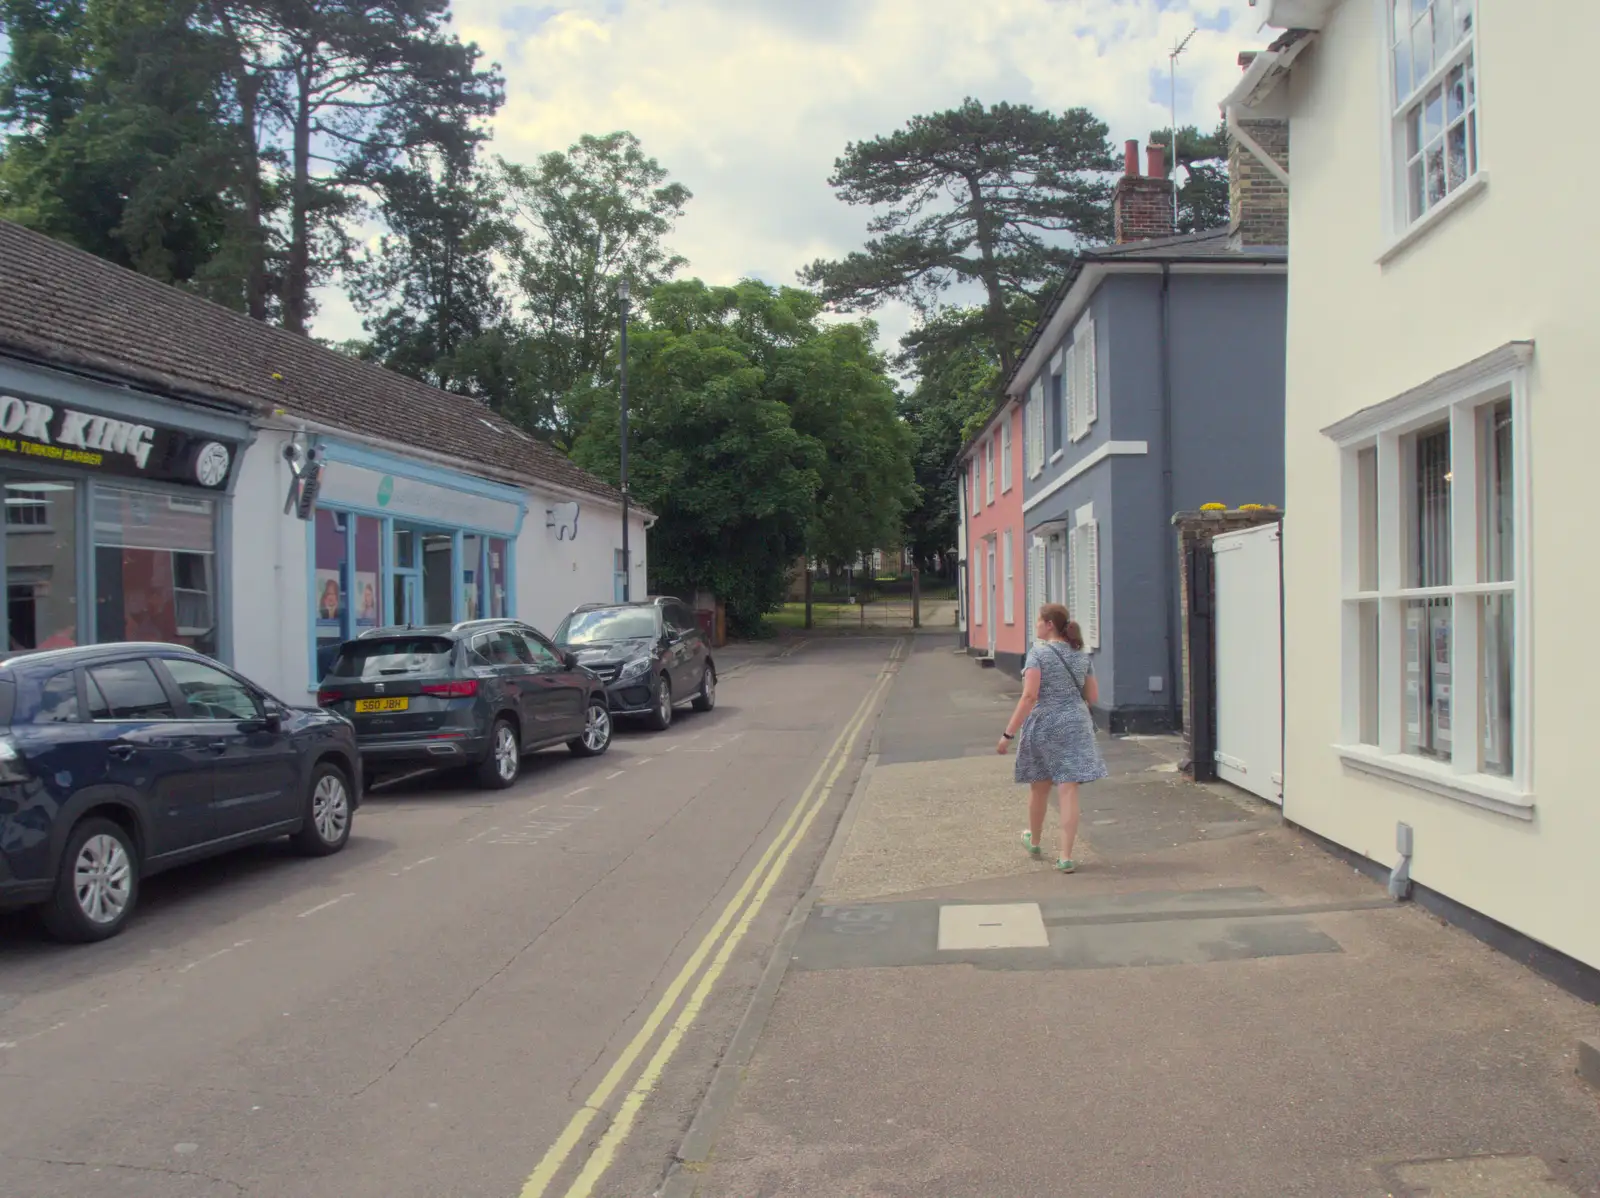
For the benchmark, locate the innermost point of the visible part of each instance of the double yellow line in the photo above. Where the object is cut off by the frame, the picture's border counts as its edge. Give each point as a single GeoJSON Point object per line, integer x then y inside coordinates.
{"type": "Point", "coordinates": [740, 913]}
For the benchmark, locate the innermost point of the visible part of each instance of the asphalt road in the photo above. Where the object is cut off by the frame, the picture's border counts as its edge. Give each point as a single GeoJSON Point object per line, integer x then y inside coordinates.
{"type": "Point", "coordinates": [429, 1012]}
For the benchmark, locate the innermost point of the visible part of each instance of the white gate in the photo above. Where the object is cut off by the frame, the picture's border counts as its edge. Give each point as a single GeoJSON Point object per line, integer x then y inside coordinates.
{"type": "Point", "coordinates": [1249, 662]}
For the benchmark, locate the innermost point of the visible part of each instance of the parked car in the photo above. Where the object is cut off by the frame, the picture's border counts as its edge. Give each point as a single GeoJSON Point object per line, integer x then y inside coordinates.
{"type": "Point", "coordinates": [481, 694]}
{"type": "Point", "coordinates": [119, 761]}
{"type": "Point", "coordinates": [652, 656]}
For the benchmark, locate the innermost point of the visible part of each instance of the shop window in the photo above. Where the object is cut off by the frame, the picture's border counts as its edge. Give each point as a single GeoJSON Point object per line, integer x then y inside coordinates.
{"type": "Point", "coordinates": [366, 600]}
{"type": "Point", "coordinates": [472, 595]}
{"type": "Point", "coordinates": [155, 572]}
{"type": "Point", "coordinates": [41, 564]}
{"type": "Point", "coordinates": [437, 592]}
{"type": "Point", "coordinates": [499, 594]}
{"type": "Point", "coordinates": [332, 583]}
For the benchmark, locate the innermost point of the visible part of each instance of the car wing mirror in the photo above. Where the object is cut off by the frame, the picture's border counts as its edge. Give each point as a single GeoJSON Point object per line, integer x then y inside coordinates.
{"type": "Point", "coordinates": [569, 659]}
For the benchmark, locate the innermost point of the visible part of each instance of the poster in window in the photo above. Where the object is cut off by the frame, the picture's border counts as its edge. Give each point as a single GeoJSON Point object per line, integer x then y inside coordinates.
{"type": "Point", "coordinates": [366, 599]}
{"type": "Point", "coordinates": [330, 601]}
{"type": "Point", "coordinates": [1413, 661]}
{"type": "Point", "coordinates": [1440, 635]}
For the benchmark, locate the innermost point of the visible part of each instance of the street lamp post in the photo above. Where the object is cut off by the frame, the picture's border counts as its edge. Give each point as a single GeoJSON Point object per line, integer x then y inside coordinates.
{"type": "Point", "coordinates": [627, 563]}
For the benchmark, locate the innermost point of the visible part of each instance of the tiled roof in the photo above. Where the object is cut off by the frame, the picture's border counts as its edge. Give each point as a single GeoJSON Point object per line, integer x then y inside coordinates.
{"type": "Point", "coordinates": [63, 305]}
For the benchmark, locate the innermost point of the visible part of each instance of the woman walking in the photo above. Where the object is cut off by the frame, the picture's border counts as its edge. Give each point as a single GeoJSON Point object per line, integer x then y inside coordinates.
{"type": "Point", "coordinates": [1058, 745]}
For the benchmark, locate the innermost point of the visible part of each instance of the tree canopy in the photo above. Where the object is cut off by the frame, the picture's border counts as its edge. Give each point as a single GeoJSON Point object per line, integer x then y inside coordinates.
{"type": "Point", "coordinates": [996, 196]}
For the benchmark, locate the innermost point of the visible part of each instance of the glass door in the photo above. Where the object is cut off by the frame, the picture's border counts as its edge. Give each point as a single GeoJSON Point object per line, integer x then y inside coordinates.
{"type": "Point", "coordinates": [407, 578]}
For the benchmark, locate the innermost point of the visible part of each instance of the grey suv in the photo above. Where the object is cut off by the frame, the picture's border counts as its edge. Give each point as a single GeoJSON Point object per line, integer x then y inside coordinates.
{"type": "Point", "coordinates": [477, 694]}
{"type": "Point", "coordinates": [652, 656]}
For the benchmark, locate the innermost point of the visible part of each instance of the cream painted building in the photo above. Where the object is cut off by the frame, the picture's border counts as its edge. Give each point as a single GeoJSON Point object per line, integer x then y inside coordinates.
{"type": "Point", "coordinates": [1442, 427]}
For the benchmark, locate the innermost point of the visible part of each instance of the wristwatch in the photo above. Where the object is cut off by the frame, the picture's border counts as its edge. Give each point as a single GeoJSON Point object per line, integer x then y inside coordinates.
{"type": "Point", "coordinates": [1008, 736]}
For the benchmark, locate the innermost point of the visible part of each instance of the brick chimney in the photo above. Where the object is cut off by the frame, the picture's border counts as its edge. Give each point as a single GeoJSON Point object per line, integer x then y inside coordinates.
{"type": "Point", "coordinates": [1258, 204]}
{"type": "Point", "coordinates": [1141, 205]}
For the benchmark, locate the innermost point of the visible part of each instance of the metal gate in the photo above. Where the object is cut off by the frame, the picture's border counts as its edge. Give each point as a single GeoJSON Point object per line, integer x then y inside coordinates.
{"type": "Point", "coordinates": [1249, 663]}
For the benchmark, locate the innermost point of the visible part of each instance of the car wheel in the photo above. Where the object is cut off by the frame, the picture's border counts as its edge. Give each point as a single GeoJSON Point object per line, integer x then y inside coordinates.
{"type": "Point", "coordinates": [504, 763]}
{"type": "Point", "coordinates": [97, 886]}
{"type": "Point", "coordinates": [328, 813]}
{"type": "Point", "coordinates": [596, 738]}
{"type": "Point", "coordinates": [660, 717]}
{"type": "Point", "coordinates": [707, 698]}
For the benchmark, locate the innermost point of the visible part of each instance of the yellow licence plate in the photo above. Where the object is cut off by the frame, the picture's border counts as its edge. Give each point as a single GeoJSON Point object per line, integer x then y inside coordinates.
{"type": "Point", "coordinates": [367, 706]}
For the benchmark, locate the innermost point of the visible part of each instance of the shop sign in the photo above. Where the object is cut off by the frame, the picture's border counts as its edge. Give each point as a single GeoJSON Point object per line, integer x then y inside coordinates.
{"type": "Point", "coordinates": [51, 433]}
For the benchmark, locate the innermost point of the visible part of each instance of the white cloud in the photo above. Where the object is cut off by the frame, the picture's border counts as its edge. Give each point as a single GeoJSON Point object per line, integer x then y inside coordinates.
{"type": "Point", "coordinates": [748, 102]}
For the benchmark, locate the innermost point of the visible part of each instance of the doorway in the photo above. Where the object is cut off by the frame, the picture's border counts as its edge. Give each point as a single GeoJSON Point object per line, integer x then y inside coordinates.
{"type": "Point", "coordinates": [423, 576]}
{"type": "Point", "coordinates": [994, 612]}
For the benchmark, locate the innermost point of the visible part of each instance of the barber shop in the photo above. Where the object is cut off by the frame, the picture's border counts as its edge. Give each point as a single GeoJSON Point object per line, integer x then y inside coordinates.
{"type": "Point", "coordinates": [115, 513]}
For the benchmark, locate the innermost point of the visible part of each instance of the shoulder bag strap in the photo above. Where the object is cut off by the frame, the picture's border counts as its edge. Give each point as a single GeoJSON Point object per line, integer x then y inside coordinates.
{"type": "Point", "coordinates": [1068, 669]}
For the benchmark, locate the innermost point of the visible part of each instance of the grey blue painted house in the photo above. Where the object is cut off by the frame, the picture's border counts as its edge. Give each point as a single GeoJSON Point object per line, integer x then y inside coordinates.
{"type": "Point", "coordinates": [1153, 384]}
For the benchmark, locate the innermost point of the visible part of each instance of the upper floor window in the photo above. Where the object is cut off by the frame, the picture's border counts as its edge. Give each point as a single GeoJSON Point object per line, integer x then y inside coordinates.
{"type": "Point", "coordinates": [1058, 388]}
{"type": "Point", "coordinates": [1033, 430]}
{"type": "Point", "coordinates": [1005, 452]}
{"type": "Point", "coordinates": [1433, 55]}
{"type": "Point", "coordinates": [988, 470]}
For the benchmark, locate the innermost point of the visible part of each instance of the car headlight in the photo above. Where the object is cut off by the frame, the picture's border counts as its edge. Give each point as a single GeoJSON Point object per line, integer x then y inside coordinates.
{"type": "Point", "coordinates": [636, 667]}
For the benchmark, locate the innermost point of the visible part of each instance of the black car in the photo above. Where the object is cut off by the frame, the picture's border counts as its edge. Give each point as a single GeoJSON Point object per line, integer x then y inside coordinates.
{"type": "Point", "coordinates": [478, 694]}
{"type": "Point", "coordinates": [118, 761]}
{"type": "Point", "coordinates": [651, 654]}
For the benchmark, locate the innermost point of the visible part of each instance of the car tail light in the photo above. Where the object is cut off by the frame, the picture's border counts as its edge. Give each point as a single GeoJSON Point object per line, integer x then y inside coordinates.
{"type": "Point", "coordinates": [329, 698]}
{"type": "Point", "coordinates": [452, 690]}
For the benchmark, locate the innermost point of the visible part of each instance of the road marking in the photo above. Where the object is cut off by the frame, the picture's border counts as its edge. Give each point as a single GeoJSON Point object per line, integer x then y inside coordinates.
{"type": "Point", "coordinates": [579, 791]}
{"type": "Point", "coordinates": [670, 749]}
{"type": "Point", "coordinates": [617, 774]}
{"type": "Point", "coordinates": [213, 956]}
{"type": "Point", "coordinates": [644, 761]}
{"type": "Point", "coordinates": [476, 836]}
{"type": "Point", "coordinates": [633, 1102]}
{"type": "Point", "coordinates": [777, 853]}
{"type": "Point", "coordinates": [324, 906]}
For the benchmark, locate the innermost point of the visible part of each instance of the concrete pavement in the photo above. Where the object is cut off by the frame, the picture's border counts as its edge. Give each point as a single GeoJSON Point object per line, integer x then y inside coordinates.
{"type": "Point", "coordinates": [426, 1013]}
{"type": "Point", "coordinates": [1213, 1006]}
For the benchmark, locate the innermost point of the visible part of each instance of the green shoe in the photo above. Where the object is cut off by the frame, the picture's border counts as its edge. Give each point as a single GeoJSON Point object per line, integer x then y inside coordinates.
{"type": "Point", "coordinates": [1066, 866]}
{"type": "Point", "coordinates": [1029, 844]}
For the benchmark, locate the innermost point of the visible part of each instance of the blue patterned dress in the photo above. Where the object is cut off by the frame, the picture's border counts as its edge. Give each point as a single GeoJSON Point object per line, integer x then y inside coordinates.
{"type": "Point", "coordinates": [1057, 741]}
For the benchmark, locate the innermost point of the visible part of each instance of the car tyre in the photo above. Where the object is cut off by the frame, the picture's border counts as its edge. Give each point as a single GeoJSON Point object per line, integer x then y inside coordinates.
{"type": "Point", "coordinates": [660, 717]}
{"type": "Point", "coordinates": [596, 738]}
{"type": "Point", "coordinates": [97, 886]}
{"type": "Point", "coordinates": [502, 766]}
{"type": "Point", "coordinates": [707, 698]}
{"type": "Point", "coordinates": [330, 812]}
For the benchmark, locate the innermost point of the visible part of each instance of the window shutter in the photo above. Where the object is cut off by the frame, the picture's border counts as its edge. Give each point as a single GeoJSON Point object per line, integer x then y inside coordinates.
{"type": "Point", "coordinates": [1091, 381]}
{"type": "Point", "coordinates": [1069, 386]}
{"type": "Point", "coordinates": [1036, 589]}
{"type": "Point", "coordinates": [1005, 453]}
{"type": "Point", "coordinates": [1010, 583]}
{"type": "Point", "coordinates": [1091, 584]}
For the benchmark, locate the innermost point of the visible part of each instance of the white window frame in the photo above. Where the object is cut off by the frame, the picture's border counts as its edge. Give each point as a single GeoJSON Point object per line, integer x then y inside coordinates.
{"type": "Point", "coordinates": [1082, 381]}
{"type": "Point", "coordinates": [1061, 366]}
{"type": "Point", "coordinates": [1400, 227]}
{"type": "Point", "coordinates": [1036, 581]}
{"type": "Point", "coordinates": [988, 471]}
{"type": "Point", "coordinates": [974, 470]}
{"type": "Point", "coordinates": [1459, 397]}
{"type": "Point", "coordinates": [1083, 575]}
{"type": "Point", "coordinates": [1008, 569]}
{"type": "Point", "coordinates": [1005, 452]}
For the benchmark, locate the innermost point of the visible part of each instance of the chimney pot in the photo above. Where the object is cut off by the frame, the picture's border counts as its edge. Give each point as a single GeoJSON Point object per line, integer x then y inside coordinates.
{"type": "Point", "coordinates": [1246, 57]}
{"type": "Point", "coordinates": [1130, 158]}
{"type": "Point", "coordinates": [1156, 161]}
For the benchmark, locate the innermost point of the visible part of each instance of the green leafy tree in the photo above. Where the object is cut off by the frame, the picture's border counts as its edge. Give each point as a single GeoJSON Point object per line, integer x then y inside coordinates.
{"type": "Point", "coordinates": [429, 290]}
{"type": "Point", "coordinates": [715, 453]}
{"type": "Point", "coordinates": [957, 372]}
{"type": "Point", "coordinates": [120, 138]}
{"type": "Point", "coordinates": [330, 94]}
{"type": "Point", "coordinates": [1203, 198]}
{"type": "Point", "coordinates": [994, 196]}
{"type": "Point", "coordinates": [584, 220]}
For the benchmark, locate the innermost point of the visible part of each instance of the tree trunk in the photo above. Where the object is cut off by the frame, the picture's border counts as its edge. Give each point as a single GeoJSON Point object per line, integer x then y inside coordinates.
{"type": "Point", "coordinates": [297, 278]}
{"type": "Point", "coordinates": [999, 326]}
{"type": "Point", "coordinates": [248, 87]}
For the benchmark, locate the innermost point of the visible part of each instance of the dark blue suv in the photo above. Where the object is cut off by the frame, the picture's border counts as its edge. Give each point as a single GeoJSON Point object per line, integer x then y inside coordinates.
{"type": "Point", "coordinates": [117, 761]}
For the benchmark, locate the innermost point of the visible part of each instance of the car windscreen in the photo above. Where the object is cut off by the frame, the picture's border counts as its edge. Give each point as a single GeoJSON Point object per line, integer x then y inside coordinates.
{"type": "Point", "coordinates": [608, 624]}
{"type": "Point", "coordinates": [393, 657]}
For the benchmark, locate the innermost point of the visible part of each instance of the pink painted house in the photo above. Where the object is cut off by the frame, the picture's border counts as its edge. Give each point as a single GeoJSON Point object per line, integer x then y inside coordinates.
{"type": "Point", "coordinates": [995, 585]}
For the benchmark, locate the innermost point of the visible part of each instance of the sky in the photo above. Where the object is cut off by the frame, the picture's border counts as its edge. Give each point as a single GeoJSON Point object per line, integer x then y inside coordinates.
{"type": "Point", "coordinates": [749, 102]}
